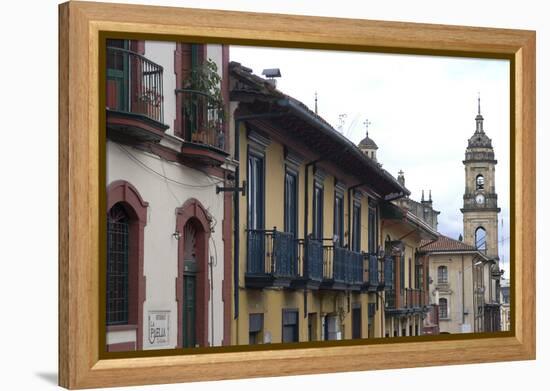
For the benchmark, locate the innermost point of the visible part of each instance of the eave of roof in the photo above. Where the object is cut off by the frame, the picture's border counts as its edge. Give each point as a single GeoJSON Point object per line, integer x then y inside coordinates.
{"type": "Point", "coordinates": [391, 211]}
{"type": "Point", "coordinates": [446, 245]}
{"type": "Point", "coordinates": [263, 90]}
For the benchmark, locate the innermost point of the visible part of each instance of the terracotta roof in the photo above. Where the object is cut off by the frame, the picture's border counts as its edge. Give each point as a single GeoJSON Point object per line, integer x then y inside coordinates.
{"type": "Point", "coordinates": [444, 243]}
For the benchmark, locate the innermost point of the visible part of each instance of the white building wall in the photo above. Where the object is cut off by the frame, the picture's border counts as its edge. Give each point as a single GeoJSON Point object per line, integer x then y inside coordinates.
{"type": "Point", "coordinates": [160, 246]}
{"type": "Point", "coordinates": [163, 196]}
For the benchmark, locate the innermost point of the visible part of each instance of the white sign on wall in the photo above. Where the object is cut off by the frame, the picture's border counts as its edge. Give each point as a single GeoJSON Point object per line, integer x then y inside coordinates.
{"type": "Point", "coordinates": [158, 329]}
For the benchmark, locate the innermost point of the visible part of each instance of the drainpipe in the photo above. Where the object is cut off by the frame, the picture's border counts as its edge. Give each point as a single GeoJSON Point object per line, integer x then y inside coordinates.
{"type": "Point", "coordinates": [306, 213]}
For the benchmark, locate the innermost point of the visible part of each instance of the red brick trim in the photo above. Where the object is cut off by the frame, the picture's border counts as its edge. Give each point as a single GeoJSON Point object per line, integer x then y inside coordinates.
{"type": "Point", "coordinates": [122, 327]}
{"type": "Point", "coordinates": [121, 347]}
{"type": "Point", "coordinates": [125, 193]}
{"type": "Point", "coordinates": [193, 211]}
{"type": "Point", "coordinates": [137, 47]}
{"type": "Point", "coordinates": [119, 119]}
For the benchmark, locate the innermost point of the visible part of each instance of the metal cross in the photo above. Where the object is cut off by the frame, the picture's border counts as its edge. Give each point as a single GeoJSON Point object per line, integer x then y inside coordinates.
{"type": "Point", "coordinates": [367, 123]}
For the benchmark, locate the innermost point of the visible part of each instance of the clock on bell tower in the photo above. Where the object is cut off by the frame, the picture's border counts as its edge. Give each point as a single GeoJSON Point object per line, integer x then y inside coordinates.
{"type": "Point", "coordinates": [480, 209]}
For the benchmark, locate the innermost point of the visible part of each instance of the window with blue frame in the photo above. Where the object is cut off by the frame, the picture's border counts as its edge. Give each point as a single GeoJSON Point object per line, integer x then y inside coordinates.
{"type": "Point", "coordinates": [117, 265]}
{"type": "Point", "coordinates": [255, 191]}
{"type": "Point", "coordinates": [256, 214]}
{"type": "Point", "coordinates": [318, 211]}
{"type": "Point", "coordinates": [338, 229]}
{"type": "Point", "coordinates": [373, 228]}
{"type": "Point", "coordinates": [291, 202]}
{"type": "Point", "coordinates": [356, 233]}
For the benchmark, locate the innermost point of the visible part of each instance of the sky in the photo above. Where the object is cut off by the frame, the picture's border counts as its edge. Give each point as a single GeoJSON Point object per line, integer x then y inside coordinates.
{"type": "Point", "coordinates": [421, 111]}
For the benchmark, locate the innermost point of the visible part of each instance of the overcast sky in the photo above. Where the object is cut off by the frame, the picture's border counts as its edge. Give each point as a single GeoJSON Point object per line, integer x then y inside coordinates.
{"type": "Point", "coordinates": [421, 109]}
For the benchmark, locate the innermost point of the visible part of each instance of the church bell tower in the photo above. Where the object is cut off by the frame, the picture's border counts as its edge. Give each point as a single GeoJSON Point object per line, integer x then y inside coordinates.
{"type": "Point", "coordinates": [480, 209]}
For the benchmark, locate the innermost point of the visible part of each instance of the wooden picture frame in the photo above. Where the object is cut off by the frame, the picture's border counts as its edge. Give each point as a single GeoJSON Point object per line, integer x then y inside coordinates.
{"type": "Point", "coordinates": [80, 26]}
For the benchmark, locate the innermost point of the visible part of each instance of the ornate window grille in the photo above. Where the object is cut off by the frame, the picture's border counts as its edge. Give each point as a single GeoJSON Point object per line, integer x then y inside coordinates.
{"type": "Point", "coordinates": [117, 266]}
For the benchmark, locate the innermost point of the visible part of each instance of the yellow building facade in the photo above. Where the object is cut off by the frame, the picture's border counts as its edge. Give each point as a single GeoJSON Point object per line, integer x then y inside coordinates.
{"type": "Point", "coordinates": [308, 233]}
{"type": "Point", "coordinates": [406, 300]}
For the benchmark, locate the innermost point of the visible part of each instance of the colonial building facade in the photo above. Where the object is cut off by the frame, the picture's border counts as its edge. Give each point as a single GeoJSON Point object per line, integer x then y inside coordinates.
{"type": "Point", "coordinates": [236, 215]}
{"type": "Point", "coordinates": [308, 265]}
{"type": "Point", "coordinates": [168, 228]}
{"type": "Point", "coordinates": [461, 279]}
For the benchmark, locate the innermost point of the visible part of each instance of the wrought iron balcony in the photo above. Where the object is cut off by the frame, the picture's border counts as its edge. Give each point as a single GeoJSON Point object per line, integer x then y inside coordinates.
{"type": "Point", "coordinates": [342, 268]}
{"type": "Point", "coordinates": [389, 273]}
{"type": "Point", "coordinates": [271, 258]}
{"type": "Point", "coordinates": [134, 97]}
{"type": "Point", "coordinates": [391, 299]}
{"type": "Point", "coordinates": [310, 264]}
{"type": "Point", "coordinates": [408, 300]}
{"type": "Point", "coordinates": [202, 117]}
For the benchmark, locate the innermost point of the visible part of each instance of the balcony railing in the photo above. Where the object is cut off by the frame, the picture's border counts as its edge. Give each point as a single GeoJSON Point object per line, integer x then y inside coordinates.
{"type": "Point", "coordinates": [134, 84]}
{"type": "Point", "coordinates": [342, 266]}
{"type": "Point", "coordinates": [388, 273]}
{"type": "Point", "coordinates": [391, 299]}
{"type": "Point", "coordinates": [271, 252]}
{"type": "Point", "coordinates": [274, 255]}
{"type": "Point", "coordinates": [413, 298]}
{"type": "Point", "coordinates": [202, 118]}
{"type": "Point", "coordinates": [310, 259]}
{"type": "Point", "coordinates": [409, 299]}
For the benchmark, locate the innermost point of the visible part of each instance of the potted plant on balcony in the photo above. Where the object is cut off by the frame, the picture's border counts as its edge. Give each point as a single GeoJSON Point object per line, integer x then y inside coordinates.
{"type": "Point", "coordinates": [203, 106]}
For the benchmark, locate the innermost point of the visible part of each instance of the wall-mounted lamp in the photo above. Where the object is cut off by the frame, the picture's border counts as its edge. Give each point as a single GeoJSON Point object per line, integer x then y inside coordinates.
{"type": "Point", "coordinates": [176, 235]}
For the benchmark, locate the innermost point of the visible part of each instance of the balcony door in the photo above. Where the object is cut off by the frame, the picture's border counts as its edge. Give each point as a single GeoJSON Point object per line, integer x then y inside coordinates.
{"type": "Point", "coordinates": [291, 203]}
{"type": "Point", "coordinates": [256, 214]}
{"type": "Point", "coordinates": [338, 227]}
{"type": "Point", "coordinates": [117, 74]}
{"type": "Point", "coordinates": [318, 211]}
{"type": "Point", "coordinates": [189, 287]}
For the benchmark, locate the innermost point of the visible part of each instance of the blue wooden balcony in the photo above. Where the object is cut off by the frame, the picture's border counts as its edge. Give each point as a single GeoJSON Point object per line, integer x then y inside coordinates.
{"type": "Point", "coordinates": [342, 268]}
{"type": "Point", "coordinates": [310, 263]}
{"type": "Point", "coordinates": [271, 258]}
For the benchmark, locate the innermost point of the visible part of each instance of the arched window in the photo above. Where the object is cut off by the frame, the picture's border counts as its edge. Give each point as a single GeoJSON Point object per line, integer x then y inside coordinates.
{"type": "Point", "coordinates": [442, 275]}
{"type": "Point", "coordinates": [481, 239]}
{"type": "Point", "coordinates": [125, 283]}
{"type": "Point", "coordinates": [443, 308]}
{"type": "Point", "coordinates": [480, 182]}
{"type": "Point", "coordinates": [118, 237]}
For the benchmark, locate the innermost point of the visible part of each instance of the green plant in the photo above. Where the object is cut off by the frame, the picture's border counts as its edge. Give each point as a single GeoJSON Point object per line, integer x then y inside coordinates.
{"type": "Point", "coordinates": [203, 103]}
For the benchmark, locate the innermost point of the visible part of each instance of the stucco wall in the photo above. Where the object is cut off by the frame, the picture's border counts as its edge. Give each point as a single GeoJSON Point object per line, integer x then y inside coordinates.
{"type": "Point", "coordinates": [459, 291]}
{"type": "Point", "coordinates": [160, 246]}
{"type": "Point", "coordinates": [271, 301]}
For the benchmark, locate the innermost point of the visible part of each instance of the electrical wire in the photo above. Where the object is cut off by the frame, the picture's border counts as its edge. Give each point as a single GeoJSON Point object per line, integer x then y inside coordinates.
{"type": "Point", "coordinates": [136, 160]}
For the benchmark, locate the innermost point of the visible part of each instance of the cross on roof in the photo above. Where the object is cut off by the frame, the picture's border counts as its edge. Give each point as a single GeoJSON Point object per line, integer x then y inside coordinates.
{"type": "Point", "coordinates": [367, 123]}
